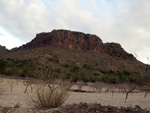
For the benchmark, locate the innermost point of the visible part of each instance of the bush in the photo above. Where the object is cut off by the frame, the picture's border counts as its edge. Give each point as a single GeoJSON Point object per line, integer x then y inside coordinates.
{"type": "Point", "coordinates": [50, 97]}
{"type": "Point", "coordinates": [122, 79]}
{"type": "Point", "coordinates": [53, 94]}
{"type": "Point", "coordinates": [75, 69]}
{"type": "Point", "coordinates": [87, 66]}
{"type": "Point", "coordinates": [16, 67]}
{"type": "Point", "coordinates": [17, 105]}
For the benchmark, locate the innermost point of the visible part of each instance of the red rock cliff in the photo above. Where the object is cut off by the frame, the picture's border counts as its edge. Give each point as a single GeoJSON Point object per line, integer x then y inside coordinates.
{"type": "Point", "coordinates": [78, 41]}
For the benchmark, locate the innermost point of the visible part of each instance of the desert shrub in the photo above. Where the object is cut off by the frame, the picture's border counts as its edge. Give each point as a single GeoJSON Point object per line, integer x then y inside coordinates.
{"type": "Point", "coordinates": [109, 78]}
{"type": "Point", "coordinates": [75, 76]}
{"type": "Point", "coordinates": [16, 67]}
{"type": "Point", "coordinates": [50, 97]}
{"type": "Point", "coordinates": [58, 70]}
{"type": "Point", "coordinates": [2, 65]}
{"type": "Point", "coordinates": [65, 65]}
{"type": "Point", "coordinates": [85, 77]}
{"type": "Point", "coordinates": [87, 66]}
{"type": "Point", "coordinates": [17, 105]}
{"type": "Point", "coordinates": [118, 73]}
{"type": "Point", "coordinates": [81, 75]}
{"type": "Point", "coordinates": [8, 71]}
{"type": "Point", "coordinates": [120, 78]}
{"type": "Point", "coordinates": [53, 95]}
{"type": "Point", "coordinates": [54, 59]}
{"type": "Point", "coordinates": [75, 69]}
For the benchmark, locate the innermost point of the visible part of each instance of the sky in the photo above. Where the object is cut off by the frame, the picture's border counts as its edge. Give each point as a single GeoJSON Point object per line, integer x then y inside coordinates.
{"type": "Point", "coordinates": [122, 21]}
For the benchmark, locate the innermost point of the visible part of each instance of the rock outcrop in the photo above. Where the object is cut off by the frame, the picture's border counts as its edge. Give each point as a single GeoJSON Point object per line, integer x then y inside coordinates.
{"type": "Point", "coordinates": [78, 41]}
{"type": "Point", "coordinates": [3, 50]}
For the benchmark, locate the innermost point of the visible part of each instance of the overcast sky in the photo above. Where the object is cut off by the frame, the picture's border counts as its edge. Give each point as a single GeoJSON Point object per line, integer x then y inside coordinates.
{"type": "Point", "coordinates": [123, 21]}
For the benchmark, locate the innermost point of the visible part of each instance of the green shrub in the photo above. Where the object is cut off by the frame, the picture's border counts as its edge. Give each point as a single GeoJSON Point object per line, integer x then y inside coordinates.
{"type": "Point", "coordinates": [87, 66]}
{"type": "Point", "coordinates": [2, 65]}
{"type": "Point", "coordinates": [17, 106]}
{"type": "Point", "coordinates": [75, 69]}
{"type": "Point", "coordinates": [65, 65]}
{"type": "Point", "coordinates": [54, 59]}
{"type": "Point", "coordinates": [8, 71]}
{"type": "Point", "coordinates": [16, 67]}
{"type": "Point", "coordinates": [122, 79]}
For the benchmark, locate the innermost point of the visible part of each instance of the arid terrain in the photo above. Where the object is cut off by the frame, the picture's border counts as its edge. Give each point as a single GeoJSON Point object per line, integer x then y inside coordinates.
{"type": "Point", "coordinates": [21, 100]}
{"type": "Point", "coordinates": [82, 59]}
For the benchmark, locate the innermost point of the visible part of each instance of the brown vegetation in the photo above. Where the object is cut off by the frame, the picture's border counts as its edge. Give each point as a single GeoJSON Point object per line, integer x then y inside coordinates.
{"type": "Point", "coordinates": [89, 63]}
{"type": "Point", "coordinates": [100, 66]}
{"type": "Point", "coordinates": [54, 94]}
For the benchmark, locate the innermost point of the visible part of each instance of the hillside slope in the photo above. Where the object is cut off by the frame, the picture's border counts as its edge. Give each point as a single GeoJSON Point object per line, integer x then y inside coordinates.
{"type": "Point", "coordinates": [76, 54]}
{"type": "Point", "coordinates": [3, 50]}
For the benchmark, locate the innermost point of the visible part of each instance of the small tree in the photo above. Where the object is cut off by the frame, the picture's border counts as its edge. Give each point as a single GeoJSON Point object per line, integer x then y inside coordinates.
{"type": "Point", "coordinates": [128, 88]}
{"type": "Point", "coordinates": [146, 89]}
{"type": "Point", "coordinates": [12, 83]}
{"type": "Point", "coordinates": [112, 89]}
{"type": "Point", "coordinates": [147, 79]}
{"type": "Point", "coordinates": [29, 83]}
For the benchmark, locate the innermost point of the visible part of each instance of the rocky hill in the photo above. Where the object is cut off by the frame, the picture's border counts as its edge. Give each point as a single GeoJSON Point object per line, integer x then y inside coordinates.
{"type": "Point", "coordinates": [77, 41]}
{"type": "Point", "coordinates": [3, 50]}
{"type": "Point", "coordinates": [68, 53]}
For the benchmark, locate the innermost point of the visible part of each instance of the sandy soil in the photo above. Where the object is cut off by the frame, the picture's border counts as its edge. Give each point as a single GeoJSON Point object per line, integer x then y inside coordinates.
{"type": "Point", "coordinates": [18, 97]}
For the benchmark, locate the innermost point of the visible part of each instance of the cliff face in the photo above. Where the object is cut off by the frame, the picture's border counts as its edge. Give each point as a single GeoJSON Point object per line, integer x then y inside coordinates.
{"type": "Point", "coordinates": [77, 41]}
{"type": "Point", "coordinates": [2, 50]}
{"type": "Point", "coordinates": [114, 49]}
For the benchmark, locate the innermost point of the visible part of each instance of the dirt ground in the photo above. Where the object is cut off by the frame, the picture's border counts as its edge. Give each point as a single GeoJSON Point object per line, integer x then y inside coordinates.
{"type": "Point", "coordinates": [23, 100]}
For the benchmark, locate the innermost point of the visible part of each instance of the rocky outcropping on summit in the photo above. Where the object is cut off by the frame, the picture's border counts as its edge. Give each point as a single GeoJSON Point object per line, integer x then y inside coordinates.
{"type": "Point", "coordinates": [2, 50]}
{"type": "Point", "coordinates": [78, 41]}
